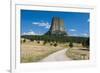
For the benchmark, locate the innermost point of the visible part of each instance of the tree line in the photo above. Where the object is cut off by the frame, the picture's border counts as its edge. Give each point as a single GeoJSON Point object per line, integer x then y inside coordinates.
{"type": "Point", "coordinates": [58, 39]}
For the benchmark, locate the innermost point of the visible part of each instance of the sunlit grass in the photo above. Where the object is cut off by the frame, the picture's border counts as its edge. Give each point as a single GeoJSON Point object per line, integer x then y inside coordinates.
{"type": "Point", "coordinates": [76, 53]}
{"type": "Point", "coordinates": [34, 52]}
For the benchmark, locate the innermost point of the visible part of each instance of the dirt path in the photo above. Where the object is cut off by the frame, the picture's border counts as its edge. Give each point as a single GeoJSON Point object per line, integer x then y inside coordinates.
{"type": "Point", "coordinates": [57, 56]}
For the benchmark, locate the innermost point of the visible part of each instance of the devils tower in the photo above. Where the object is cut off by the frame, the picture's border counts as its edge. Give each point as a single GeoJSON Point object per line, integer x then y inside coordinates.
{"type": "Point", "coordinates": [57, 27]}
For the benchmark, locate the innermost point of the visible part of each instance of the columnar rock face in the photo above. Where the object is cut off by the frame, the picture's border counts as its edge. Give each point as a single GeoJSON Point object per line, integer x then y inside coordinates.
{"type": "Point", "coordinates": [57, 27]}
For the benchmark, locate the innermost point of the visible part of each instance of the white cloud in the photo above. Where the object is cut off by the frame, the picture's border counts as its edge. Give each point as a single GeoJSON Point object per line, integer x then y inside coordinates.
{"type": "Point", "coordinates": [72, 30]}
{"type": "Point", "coordinates": [85, 34]}
{"type": "Point", "coordinates": [29, 33]}
{"type": "Point", "coordinates": [74, 35]}
{"type": "Point", "coordinates": [81, 34]}
{"type": "Point", "coordinates": [43, 24]}
{"type": "Point", "coordinates": [88, 20]}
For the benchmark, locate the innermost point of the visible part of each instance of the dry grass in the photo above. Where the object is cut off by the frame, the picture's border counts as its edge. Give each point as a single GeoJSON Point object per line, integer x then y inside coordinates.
{"type": "Point", "coordinates": [33, 52]}
{"type": "Point", "coordinates": [76, 53]}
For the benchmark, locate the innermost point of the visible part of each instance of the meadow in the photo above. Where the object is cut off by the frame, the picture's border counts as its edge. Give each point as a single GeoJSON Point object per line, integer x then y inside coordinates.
{"type": "Point", "coordinates": [36, 50]}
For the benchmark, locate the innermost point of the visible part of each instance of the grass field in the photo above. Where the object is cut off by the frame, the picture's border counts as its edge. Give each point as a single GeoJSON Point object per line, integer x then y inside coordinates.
{"type": "Point", "coordinates": [78, 53]}
{"type": "Point", "coordinates": [34, 52]}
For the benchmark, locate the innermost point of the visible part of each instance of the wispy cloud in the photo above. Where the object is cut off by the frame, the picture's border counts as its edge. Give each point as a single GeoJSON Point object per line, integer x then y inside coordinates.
{"type": "Point", "coordinates": [74, 34]}
{"type": "Point", "coordinates": [85, 34]}
{"type": "Point", "coordinates": [88, 20]}
{"type": "Point", "coordinates": [29, 33]}
{"type": "Point", "coordinates": [80, 34]}
{"type": "Point", "coordinates": [73, 30]}
{"type": "Point", "coordinates": [42, 23]}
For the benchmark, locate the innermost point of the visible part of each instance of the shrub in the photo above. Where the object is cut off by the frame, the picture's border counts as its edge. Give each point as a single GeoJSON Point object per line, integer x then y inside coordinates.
{"type": "Point", "coordinates": [55, 44]}
{"type": "Point", "coordinates": [44, 42]}
{"type": "Point", "coordinates": [31, 39]}
{"type": "Point", "coordinates": [70, 44]}
{"type": "Point", "coordinates": [51, 44]}
{"type": "Point", "coordinates": [24, 41]}
{"type": "Point", "coordinates": [38, 42]}
{"type": "Point", "coordinates": [86, 43]}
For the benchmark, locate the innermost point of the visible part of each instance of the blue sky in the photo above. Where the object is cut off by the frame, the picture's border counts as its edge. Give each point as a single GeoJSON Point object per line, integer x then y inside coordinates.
{"type": "Point", "coordinates": [38, 22]}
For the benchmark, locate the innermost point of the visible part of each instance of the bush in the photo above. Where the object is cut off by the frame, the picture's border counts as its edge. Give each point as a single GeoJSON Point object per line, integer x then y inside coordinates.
{"type": "Point", "coordinates": [51, 44]}
{"type": "Point", "coordinates": [24, 41]}
{"type": "Point", "coordinates": [38, 42]}
{"type": "Point", "coordinates": [86, 43]}
{"type": "Point", "coordinates": [44, 42]}
{"type": "Point", "coordinates": [83, 44]}
{"type": "Point", "coordinates": [31, 39]}
{"type": "Point", "coordinates": [55, 44]}
{"type": "Point", "coordinates": [70, 44]}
